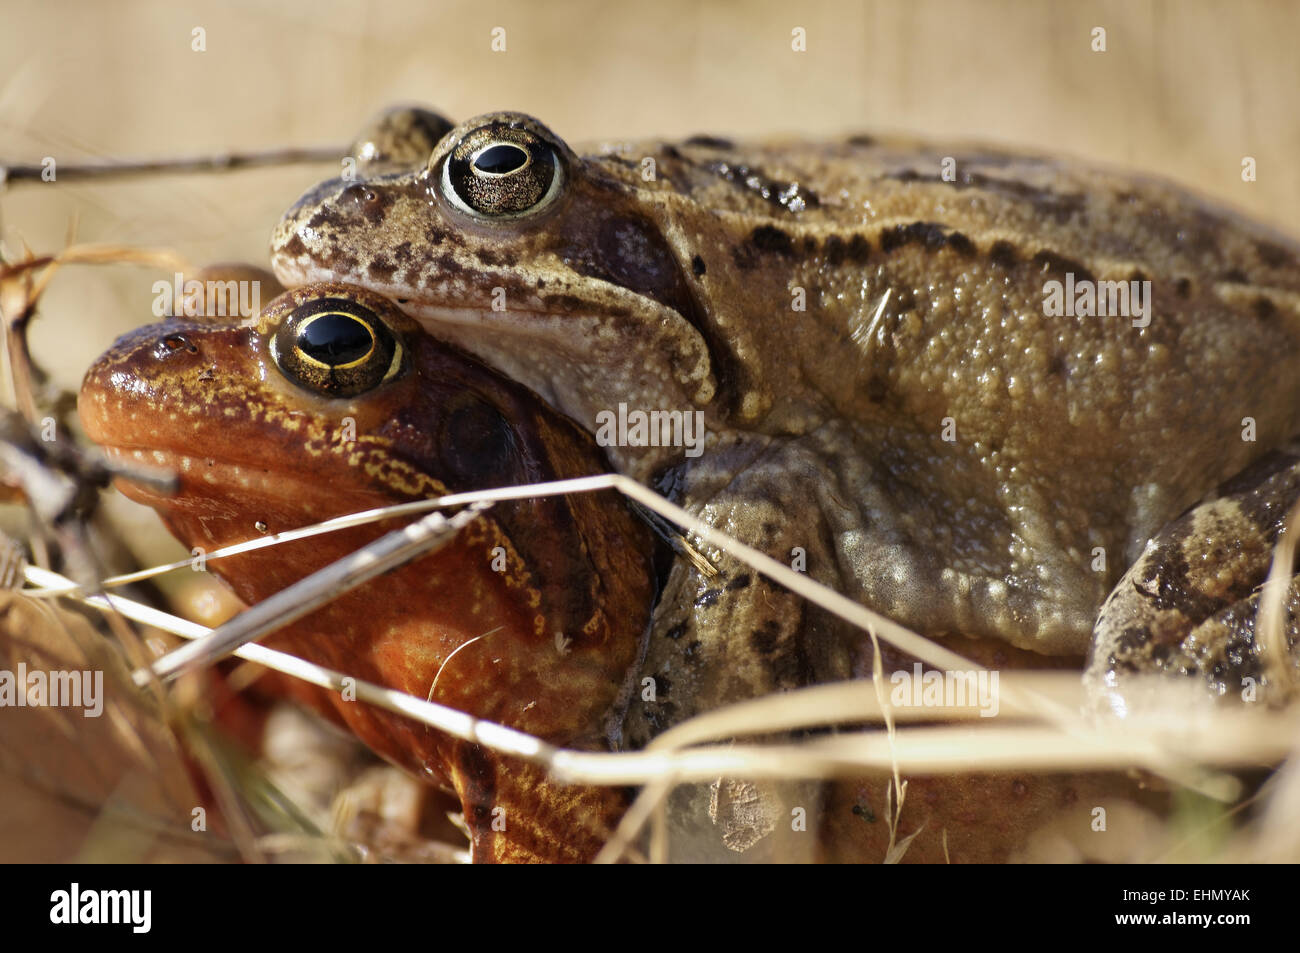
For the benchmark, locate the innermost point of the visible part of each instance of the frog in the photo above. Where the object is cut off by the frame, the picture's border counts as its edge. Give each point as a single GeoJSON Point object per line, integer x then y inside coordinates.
{"type": "Point", "coordinates": [330, 401]}
{"type": "Point", "coordinates": [892, 402]}
{"type": "Point", "coordinates": [537, 617]}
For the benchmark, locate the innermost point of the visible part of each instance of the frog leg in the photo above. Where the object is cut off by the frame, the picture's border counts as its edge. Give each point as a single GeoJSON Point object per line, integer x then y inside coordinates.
{"type": "Point", "coordinates": [515, 813]}
{"type": "Point", "coordinates": [1188, 605]}
{"type": "Point", "coordinates": [735, 635]}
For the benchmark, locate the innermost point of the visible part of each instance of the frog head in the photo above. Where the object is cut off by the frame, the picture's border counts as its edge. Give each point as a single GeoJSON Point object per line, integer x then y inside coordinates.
{"type": "Point", "coordinates": [572, 275]}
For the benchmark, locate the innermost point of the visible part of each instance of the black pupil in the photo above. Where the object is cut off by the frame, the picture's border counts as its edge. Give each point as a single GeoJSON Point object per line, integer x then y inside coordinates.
{"type": "Point", "coordinates": [335, 339]}
{"type": "Point", "coordinates": [500, 159]}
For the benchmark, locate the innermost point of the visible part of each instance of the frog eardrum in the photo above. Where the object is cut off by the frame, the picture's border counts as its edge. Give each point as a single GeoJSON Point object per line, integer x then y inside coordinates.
{"type": "Point", "coordinates": [501, 170]}
{"type": "Point", "coordinates": [336, 347]}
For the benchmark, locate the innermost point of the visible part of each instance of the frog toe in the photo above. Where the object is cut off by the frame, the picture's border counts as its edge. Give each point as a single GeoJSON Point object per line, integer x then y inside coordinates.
{"type": "Point", "coordinates": [1188, 606]}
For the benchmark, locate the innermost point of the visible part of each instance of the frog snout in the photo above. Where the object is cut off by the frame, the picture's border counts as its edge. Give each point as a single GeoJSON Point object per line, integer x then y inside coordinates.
{"type": "Point", "coordinates": [161, 364]}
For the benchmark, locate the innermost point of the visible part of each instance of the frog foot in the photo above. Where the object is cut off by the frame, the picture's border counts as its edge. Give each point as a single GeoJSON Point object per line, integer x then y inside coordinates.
{"type": "Point", "coordinates": [1188, 606]}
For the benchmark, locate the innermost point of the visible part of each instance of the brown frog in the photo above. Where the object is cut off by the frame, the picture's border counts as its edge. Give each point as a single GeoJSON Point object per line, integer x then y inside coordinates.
{"type": "Point", "coordinates": [896, 395]}
{"type": "Point", "coordinates": [332, 401]}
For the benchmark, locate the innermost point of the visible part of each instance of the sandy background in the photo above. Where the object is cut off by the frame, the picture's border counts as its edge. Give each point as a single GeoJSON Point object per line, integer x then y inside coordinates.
{"type": "Point", "coordinates": [1185, 89]}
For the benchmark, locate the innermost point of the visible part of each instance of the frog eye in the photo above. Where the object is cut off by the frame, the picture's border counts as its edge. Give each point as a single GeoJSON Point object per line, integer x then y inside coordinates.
{"type": "Point", "coordinates": [336, 347]}
{"type": "Point", "coordinates": [501, 170]}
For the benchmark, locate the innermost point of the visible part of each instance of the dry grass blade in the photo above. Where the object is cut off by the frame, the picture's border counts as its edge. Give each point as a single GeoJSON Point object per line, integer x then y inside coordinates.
{"type": "Point", "coordinates": [112, 787]}
{"type": "Point", "coordinates": [17, 173]}
{"type": "Point", "coordinates": [1043, 747]}
{"type": "Point", "coordinates": [388, 552]}
{"type": "Point", "coordinates": [1278, 666]}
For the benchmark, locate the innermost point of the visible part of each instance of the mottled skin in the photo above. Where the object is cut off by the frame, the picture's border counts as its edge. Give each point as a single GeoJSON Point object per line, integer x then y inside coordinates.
{"type": "Point", "coordinates": [676, 291]}
{"type": "Point", "coordinates": [204, 397]}
{"type": "Point", "coordinates": [923, 303]}
{"type": "Point", "coordinates": [1187, 606]}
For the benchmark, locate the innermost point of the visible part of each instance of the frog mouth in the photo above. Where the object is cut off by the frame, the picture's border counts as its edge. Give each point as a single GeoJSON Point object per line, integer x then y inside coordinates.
{"type": "Point", "coordinates": [203, 481]}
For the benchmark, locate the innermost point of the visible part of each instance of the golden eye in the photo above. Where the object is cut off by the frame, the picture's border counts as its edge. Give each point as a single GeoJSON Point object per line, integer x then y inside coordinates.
{"type": "Point", "coordinates": [501, 170]}
{"type": "Point", "coordinates": [336, 347]}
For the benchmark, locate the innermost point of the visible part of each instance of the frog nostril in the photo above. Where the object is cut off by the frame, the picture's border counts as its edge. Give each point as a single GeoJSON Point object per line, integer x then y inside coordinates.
{"type": "Point", "coordinates": [372, 203]}
{"type": "Point", "coordinates": [177, 342]}
{"type": "Point", "coordinates": [362, 193]}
